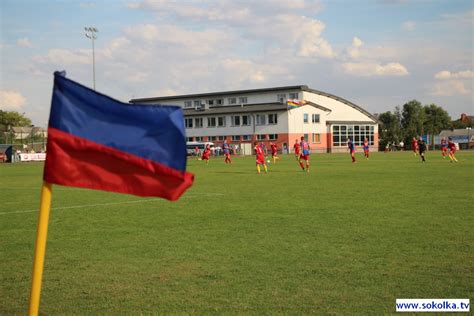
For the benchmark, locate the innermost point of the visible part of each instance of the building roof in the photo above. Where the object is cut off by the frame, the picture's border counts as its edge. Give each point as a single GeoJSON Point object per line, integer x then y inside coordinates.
{"type": "Point", "coordinates": [456, 132]}
{"type": "Point", "coordinates": [249, 91]}
{"type": "Point", "coordinates": [246, 108]}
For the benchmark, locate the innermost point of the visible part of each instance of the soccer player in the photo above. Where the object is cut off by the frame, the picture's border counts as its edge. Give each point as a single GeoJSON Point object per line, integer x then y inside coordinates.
{"type": "Point", "coordinates": [305, 152]}
{"type": "Point", "coordinates": [260, 157]}
{"type": "Point", "coordinates": [226, 149]}
{"type": "Point", "coordinates": [350, 146]}
{"type": "Point", "coordinates": [366, 148]}
{"type": "Point", "coordinates": [414, 145]}
{"type": "Point", "coordinates": [422, 149]}
{"type": "Point", "coordinates": [206, 154]}
{"type": "Point", "coordinates": [274, 148]}
{"type": "Point", "coordinates": [197, 152]}
{"type": "Point", "coordinates": [452, 150]}
{"type": "Point", "coordinates": [444, 147]}
{"type": "Point", "coordinates": [296, 147]}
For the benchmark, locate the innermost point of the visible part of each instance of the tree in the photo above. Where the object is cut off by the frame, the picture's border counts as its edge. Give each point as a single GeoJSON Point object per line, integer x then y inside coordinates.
{"type": "Point", "coordinates": [413, 117]}
{"type": "Point", "coordinates": [436, 119]}
{"type": "Point", "coordinates": [390, 129]}
{"type": "Point", "coordinates": [10, 119]}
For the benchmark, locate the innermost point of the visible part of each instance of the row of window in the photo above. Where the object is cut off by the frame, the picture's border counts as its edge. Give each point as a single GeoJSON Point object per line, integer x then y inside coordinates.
{"type": "Point", "coordinates": [315, 138]}
{"type": "Point", "coordinates": [235, 120]}
{"type": "Point", "coordinates": [242, 120]}
{"type": "Point", "coordinates": [234, 138]}
{"type": "Point", "coordinates": [233, 100]}
{"type": "Point", "coordinates": [357, 133]}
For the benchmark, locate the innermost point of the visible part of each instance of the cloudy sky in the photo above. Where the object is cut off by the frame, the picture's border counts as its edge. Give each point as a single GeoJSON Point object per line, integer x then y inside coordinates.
{"type": "Point", "coordinates": [377, 54]}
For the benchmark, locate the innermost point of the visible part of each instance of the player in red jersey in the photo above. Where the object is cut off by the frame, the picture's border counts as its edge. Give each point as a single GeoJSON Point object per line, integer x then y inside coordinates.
{"type": "Point", "coordinates": [444, 147]}
{"type": "Point", "coordinates": [366, 148]}
{"type": "Point", "coordinates": [305, 152]}
{"type": "Point", "coordinates": [206, 154]}
{"type": "Point", "coordinates": [414, 146]}
{"type": "Point", "coordinates": [274, 148]}
{"type": "Point", "coordinates": [452, 150]}
{"type": "Point", "coordinates": [260, 157]}
{"type": "Point", "coordinates": [296, 147]}
{"type": "Point", "coordinates": [197, 152]}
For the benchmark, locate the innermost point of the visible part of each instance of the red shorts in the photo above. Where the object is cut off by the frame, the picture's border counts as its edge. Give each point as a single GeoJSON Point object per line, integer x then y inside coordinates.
{"type": "Point", "coordinates": [444, 149]}
{"type": "Point", "coordinates": [274, 154]}
{"type": "Point", "coordinates": [297, 153]}
{"type": "Point", "coordinates": [304, 157]}
{"type": "Point", "coordinates": [260, 160]}
{"type": "Point", "coordinates": [205, 157]}
{"type": "Point", "coordinates": [452, 152]}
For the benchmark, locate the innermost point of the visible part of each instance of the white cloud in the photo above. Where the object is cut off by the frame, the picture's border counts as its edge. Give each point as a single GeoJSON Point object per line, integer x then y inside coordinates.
{"type": "Point", "coordinates": [409, 26]}
{"type": "Point", "coordinates": [11, 100]}
{"type": "Point", "coordinates": [450, 88]}
{"type": "Point", "coordinates": [368, 69]}
{"type": "Point", "coordinates": [24, 42]}
{"type": "Point", "coordinates": [445, 74]}
{"type": "Point", "coordinates": [64, 57]}
{"type": "Point", "coordinates": [354, 50]}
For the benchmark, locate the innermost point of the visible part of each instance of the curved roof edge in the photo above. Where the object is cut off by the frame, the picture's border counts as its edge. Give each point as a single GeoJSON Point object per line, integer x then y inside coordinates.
{"type": "Point", "coordinates": [332, 96]}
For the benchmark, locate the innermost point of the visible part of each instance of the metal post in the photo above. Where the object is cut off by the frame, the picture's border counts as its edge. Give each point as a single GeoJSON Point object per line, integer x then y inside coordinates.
{"type": "Point", "coordinates": [91, 32]}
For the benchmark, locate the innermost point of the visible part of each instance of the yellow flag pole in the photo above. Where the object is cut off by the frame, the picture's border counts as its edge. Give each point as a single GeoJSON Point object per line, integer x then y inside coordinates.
{"type": "Point", "coordinates": [40, 248]}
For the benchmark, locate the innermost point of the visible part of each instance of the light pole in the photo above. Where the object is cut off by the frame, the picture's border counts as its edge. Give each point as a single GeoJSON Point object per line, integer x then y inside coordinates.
{"type": "Point", "coordinates": [91, 33]}
{"type": "Point", "coordinates": [468, 136]}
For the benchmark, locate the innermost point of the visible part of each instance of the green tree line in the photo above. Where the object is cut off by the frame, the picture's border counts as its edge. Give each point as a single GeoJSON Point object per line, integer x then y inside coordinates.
{"type": "Point", "coordinates": [414, 120]}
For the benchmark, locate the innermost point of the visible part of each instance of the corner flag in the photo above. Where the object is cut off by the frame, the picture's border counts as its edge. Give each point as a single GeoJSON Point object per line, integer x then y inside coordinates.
{"type": "Point", "coordinates": [99, 143]}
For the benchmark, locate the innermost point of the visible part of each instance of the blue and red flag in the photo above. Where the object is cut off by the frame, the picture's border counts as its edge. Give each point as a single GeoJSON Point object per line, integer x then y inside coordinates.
{"type": "Point", "coordinates": [99, 143]}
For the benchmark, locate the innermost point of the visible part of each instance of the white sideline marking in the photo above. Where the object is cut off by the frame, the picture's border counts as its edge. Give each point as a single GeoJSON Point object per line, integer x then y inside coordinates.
{"type": "Point", "coordinates": [192, 195]}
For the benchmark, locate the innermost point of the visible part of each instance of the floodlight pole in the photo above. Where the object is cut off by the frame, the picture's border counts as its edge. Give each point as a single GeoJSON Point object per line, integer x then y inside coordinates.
{"type": "Point", "coordinates": [91, 32]}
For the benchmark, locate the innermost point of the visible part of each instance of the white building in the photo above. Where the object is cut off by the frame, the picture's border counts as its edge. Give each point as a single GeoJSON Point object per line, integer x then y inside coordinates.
{"type": "Point", "coordinates": [243, 116]}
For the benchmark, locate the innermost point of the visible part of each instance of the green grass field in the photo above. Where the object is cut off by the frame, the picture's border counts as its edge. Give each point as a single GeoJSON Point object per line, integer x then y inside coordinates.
{"type": "Point", "coordinates": [344, 239]}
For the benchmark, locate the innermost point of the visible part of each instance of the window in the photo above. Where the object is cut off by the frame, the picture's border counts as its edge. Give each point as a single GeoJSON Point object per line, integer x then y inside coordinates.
{"type": "Point", "coordinates": [260, 137]}
{"type": "Point", "coordinates": [219, 102]}
{"type": "Point", "coordinates": [210, 102]}
{"type": "Point", "coordinates": [221, 138]}
{"type": "Point", "coordinates": [189, 139]}
{"type": "Point", "coordinates": [293, 96]}
{"type": "Point", "coordinates": [235, 138]}
{"type": "Point", "coordinates": [247, 137]}
{"type": "Point", "coordinates": [199, 138]}
{"type": "Point", "coordinates": [211, 122]}
{"type": "Point", "coordinates": [232, 100]}
{"type": "Point", "coordinates": [188, 104]}
{"type": "Point", "coordinates": [357, 133]}
{"type": "Point", "coordinates": [198, 122]}
{"type": "Point", "coordinates": [315, 118]}
{"type": "Point", "coordinates": [245, 120]}
{"type": "Point", "coordinates": [281, 98]}
{"type": "Point", "coordinates": [260, 119]}
{"type": "Point", "coordinates": [273, 136]}
{"type": "Point", "coordinates": [212, 138]}
{"type": "Point", "coordinates": [316, 138]}
{"type": "Point", "coordinates": [188, 122]}
{"type": "Point", "coordinates": [306, 137]}
{"type": "Point", "coordinates": [272, 119]}
{"type": "Point", "coordinates": [242, 100]}
{"type": "Point", "coordinates": [305, 118]}
{"type": "Point", "coordinates": [221, 121]}
{"type": "Point", "coordinates": [197, 103]}
{"type": "Point", "coordinates": [235, 120]}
